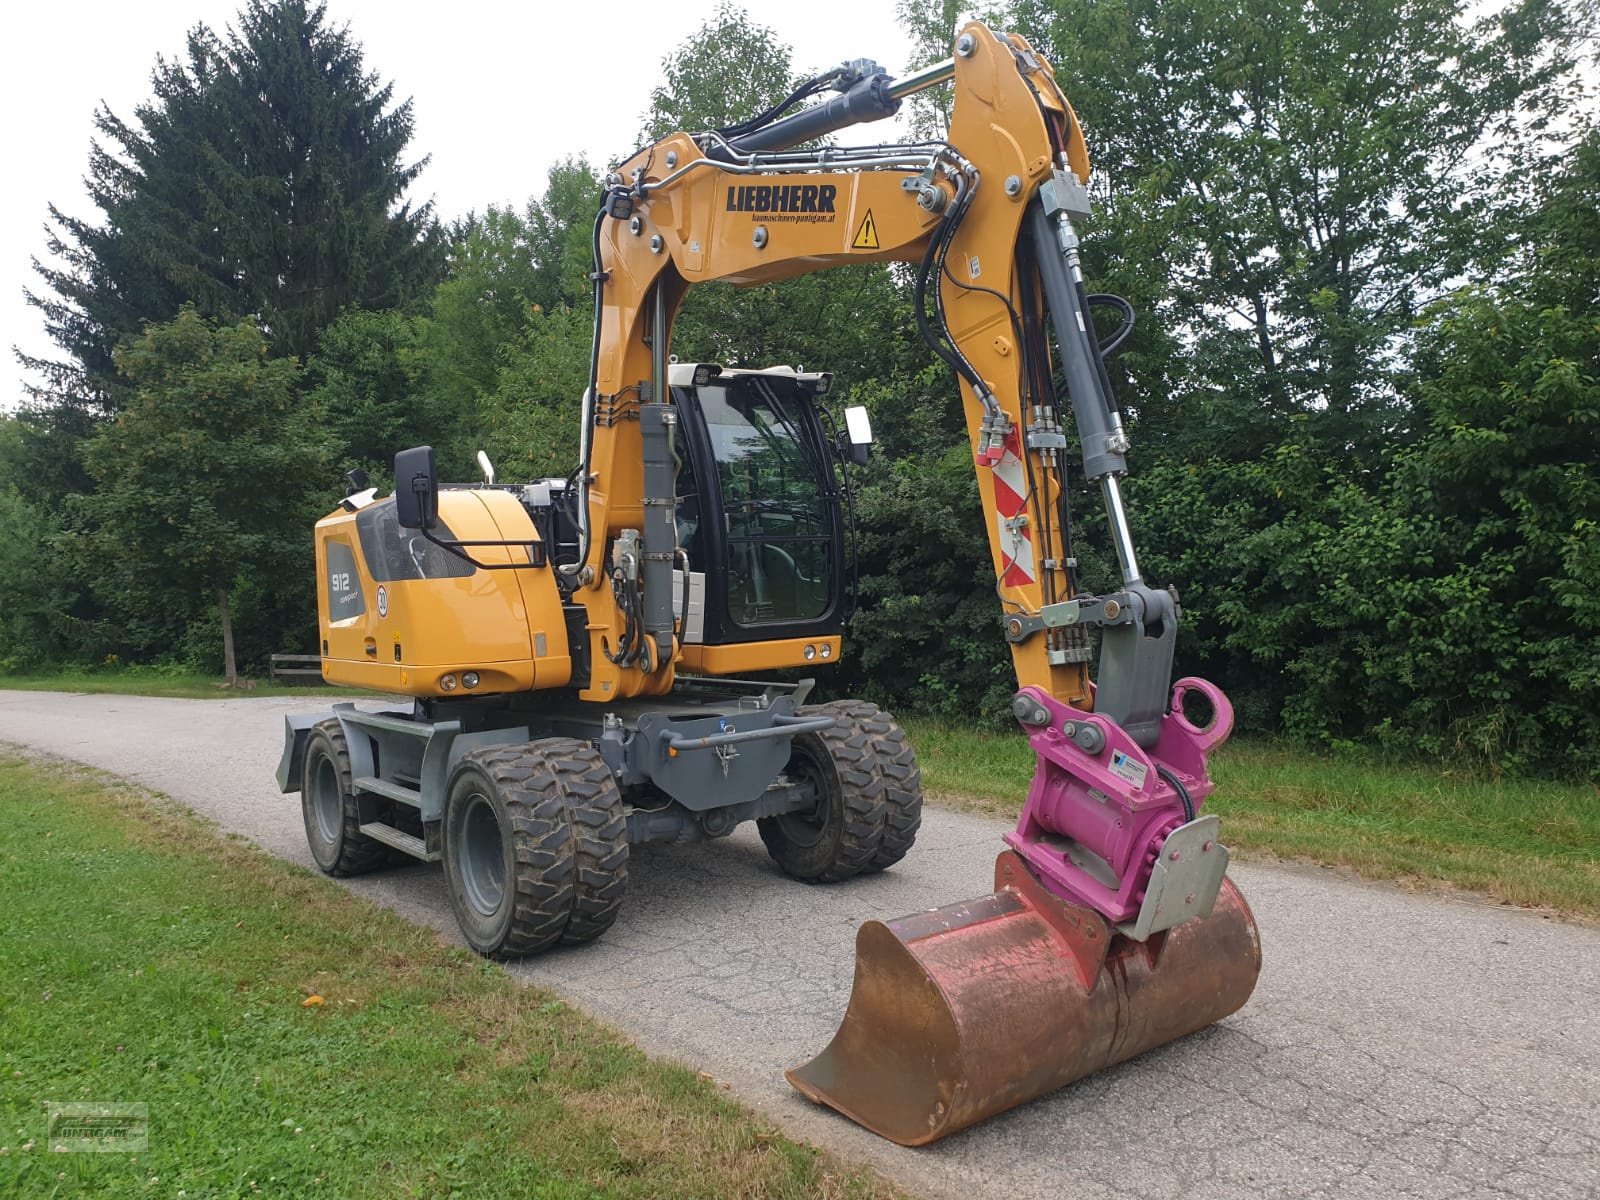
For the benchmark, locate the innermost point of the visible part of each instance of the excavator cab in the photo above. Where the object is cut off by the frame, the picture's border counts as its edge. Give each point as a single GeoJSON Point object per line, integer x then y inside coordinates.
{"type": "Point", "coordinates": [761, 505]}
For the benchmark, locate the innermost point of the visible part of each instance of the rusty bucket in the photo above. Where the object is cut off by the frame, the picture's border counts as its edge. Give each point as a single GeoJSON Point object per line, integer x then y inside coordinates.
{"type": "Point", "coordinates": [965, 1011]}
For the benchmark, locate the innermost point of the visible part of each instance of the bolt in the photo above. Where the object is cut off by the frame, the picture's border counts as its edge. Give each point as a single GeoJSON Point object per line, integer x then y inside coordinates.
{"type": "Point", "coordinates": [656, 244]}
{"type": "Point", "coordinates": [1206, 849]}
{"type": "Point", "coordinates": [1189, 899]}
{"type": "Point", "coordinates": [966, 44]}
{"type": "Point", "coordinates": [636, 226]}
{"type": "Point", "coordinates": [1013, 185]}
{"type": "Point", "coordinates": [1068, 729]}
{"type": "Point", "coordinates": [759, 237]}
{"type": "Point", "coordinates": [672, 158]}
{"type": "Point", "coordinates": [1173, 855]}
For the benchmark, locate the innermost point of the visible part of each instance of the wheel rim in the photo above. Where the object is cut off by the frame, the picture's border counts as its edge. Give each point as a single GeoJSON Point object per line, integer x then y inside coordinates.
{"type": "Point", "coordinates": [807, 827]}
{"type": "Point", "coordinates": [480, 856]}
{"type": "Point", "coordinates": [327, 805]}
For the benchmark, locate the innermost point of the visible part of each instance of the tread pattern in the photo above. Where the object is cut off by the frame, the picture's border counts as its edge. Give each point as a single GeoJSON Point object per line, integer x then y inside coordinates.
{"type": "Point", "coordinates": [570, 841]}
{"type": "Point", "coordinates": [902, 785]}
{"type": "Point", "coordinates": [851, 746]}
{"type": "Point", "coordinates": [896, 765]}
{"type": "Point", "coordinates": [358, 853]}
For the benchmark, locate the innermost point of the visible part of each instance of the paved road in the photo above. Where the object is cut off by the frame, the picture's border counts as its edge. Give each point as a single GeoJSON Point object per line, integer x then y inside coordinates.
{"type": "Point", "coordinates": [1397, 1045]}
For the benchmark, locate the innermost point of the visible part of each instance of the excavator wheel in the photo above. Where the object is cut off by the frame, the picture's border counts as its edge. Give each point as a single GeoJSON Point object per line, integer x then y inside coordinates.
{"type": "Point", "coordinates": [869, 796]}
{"type": "Point", "coordinates": [535, 846]}
{"type": "Point", "coordinates": [902, 786]}
{"type": "Point", "coordinates": [333, 822]}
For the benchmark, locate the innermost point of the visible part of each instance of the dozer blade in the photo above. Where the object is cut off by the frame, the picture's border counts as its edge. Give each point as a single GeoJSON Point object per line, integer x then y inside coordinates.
{"type": "Point", "coordinates": [965, 1011]}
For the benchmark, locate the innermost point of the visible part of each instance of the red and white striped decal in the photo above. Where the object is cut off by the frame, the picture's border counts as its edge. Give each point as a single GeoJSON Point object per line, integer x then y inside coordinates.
{"type": "Point", "coordinates": [1010, 492]}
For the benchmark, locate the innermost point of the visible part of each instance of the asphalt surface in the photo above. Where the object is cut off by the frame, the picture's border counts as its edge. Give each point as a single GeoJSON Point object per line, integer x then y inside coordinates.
{"type": "Point", "coordinates": [1396, 1046]}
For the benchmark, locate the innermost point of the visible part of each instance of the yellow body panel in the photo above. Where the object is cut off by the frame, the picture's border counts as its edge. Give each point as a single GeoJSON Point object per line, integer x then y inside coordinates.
{"type": "Point", "coordinates": [505, 625]}
{"type": "Point", "coordinates": [739, 657]}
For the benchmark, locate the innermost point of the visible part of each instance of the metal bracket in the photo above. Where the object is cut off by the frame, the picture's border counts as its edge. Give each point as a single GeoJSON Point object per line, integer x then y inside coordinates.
{"type": "Point", "coordinates": [1041, 438]}
{"type": "Point", "coordinates": [1185, 880]}
{"type": "Point", "coordinates": [1116, 609]}
{"type": "Point", "coordinates": [1063, 193]}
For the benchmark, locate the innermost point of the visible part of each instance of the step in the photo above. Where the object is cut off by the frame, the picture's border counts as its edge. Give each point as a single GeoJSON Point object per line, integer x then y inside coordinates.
{"type": "Point", "coordinates": [390, 836]}
{"type": "Point", "coordinates": [392, 791]}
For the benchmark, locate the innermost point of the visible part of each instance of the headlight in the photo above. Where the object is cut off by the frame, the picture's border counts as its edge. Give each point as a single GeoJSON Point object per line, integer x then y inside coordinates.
{"type": "Point", "coordinates": [811, 652]}
{"type": "Point", "coordinates": [470, 679]}
{"type": "Point", "coordinates": [447, 683]}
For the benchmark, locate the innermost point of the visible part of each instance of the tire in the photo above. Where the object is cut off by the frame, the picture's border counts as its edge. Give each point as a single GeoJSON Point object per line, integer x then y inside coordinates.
{"type": "Point", "coordinates": [843, 835]}
{"type": "Point", "coordinates": [535, 846]}
{"type": "Point", "coordinates": [332, 819]}
{"type": "Point", "coordinates": [902, 784]}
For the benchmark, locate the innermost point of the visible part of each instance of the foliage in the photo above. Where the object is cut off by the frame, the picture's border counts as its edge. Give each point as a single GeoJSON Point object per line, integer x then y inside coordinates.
{"type": "Point", "coordinates": [263, 178]}
{"type": "Point", "coordinates": [362, 381]}
{"type": "Point", "coordinates": [1476, 581]}
{"type": "Point", "coordinates": [38, 593]}
{"type": "Point", "coordinates": [729, 70]}
{"type": "Point", "coordinates": [1302, 179]}
{"type": "Point", "coordinates": [200, 480]}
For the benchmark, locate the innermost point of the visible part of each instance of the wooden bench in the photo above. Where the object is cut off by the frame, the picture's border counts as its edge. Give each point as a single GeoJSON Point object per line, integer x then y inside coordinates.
{"type": "Point", "coordinates": [297, 668]}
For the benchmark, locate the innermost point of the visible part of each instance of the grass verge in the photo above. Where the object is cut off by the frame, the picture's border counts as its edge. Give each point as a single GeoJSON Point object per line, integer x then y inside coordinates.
{"type": "Point", "coordinates": [149, 960]}
{"type": "Point", "coordinates": [132, 682]}
{"type": "Point", "coordinates": [1524, 842]}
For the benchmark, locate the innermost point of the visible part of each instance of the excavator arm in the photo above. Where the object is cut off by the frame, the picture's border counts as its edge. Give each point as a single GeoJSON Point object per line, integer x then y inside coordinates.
{"type": "Point", "coordinates": [1112, 928]}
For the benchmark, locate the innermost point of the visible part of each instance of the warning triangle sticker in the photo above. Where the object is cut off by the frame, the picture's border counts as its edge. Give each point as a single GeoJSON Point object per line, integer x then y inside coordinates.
{"type": "Point", "coordinates": [867, 235]}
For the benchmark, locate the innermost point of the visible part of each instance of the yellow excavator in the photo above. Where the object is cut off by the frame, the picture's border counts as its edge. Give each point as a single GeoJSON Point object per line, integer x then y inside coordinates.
{"type": "Point", "coordinates": [578, 650]}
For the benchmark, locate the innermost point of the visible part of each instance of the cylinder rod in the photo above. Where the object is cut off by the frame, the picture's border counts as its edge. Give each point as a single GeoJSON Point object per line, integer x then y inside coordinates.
{"type": "Point", "coordinates": [927, 77]}
{"type": "Point", "coordinates": [1121, 536]}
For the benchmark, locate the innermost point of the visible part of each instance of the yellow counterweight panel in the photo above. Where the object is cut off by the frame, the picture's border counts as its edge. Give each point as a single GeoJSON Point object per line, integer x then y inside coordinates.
{"type": "Point", "coordinates": [406, 634]}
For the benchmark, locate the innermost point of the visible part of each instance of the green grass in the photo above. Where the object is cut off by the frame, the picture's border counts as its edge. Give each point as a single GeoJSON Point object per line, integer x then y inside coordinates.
{"type": "Point", "coordinates": [1524, 842]}
{"type": "Point", "coordinates": [134, 681]}
{"type": "Point", "coordinates": [146, 959]}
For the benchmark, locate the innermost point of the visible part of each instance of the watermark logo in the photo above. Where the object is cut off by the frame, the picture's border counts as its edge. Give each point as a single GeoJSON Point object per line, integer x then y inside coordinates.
{"type": "Point", "coordinates": [119, 1128]}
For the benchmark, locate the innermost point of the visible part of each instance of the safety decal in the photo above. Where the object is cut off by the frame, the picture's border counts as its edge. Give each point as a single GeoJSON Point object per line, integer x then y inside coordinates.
{"type": "Point", "coordinates": [1011, 515]}
{"type": "Point", "coordinates": [383, 601]}
{"type": "Point", "coordinates": [867, 235]}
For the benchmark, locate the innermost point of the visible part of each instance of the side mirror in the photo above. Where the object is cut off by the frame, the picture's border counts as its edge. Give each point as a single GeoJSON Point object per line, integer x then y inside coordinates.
{"type": "Point", "coordinates": [858, 433]}
{"type": "Point", "coordinates": [416, 488]}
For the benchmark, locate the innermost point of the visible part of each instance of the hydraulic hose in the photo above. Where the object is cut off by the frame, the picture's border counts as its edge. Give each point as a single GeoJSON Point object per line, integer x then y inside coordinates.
{"type": "Point", "coordinates": [1176, 785]}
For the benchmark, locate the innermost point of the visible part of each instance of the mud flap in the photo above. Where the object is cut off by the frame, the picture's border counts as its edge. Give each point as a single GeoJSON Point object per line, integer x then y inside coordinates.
{"type": "Point", "coordinates": [965, 1011]}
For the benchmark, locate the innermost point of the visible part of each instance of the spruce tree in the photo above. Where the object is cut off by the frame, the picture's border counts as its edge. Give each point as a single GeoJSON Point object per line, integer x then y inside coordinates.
{"type": "Point", "coordinates": [263, 180]}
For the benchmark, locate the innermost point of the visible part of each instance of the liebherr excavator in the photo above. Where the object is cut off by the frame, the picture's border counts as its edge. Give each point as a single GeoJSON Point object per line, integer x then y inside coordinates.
{"type": "Point", "coordinates": [576, 648]}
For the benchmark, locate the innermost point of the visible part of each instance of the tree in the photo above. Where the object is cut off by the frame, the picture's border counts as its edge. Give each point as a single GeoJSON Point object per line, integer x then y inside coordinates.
{"type": "Point", "coordinates": [201, 476]}
{"type": "Point", "coordinates": [730, 70]}
{"type": "Point", "coordinates": [363, 381]}
{"type": "Point", "coordinates": [264, 179]}
{"type": "Point", "coordinates": [1303, 178]}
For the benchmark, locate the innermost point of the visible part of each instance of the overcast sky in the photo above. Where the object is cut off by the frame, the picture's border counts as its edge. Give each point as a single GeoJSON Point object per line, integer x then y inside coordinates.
{"type": "Point", "coordinates": [501, 90]}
